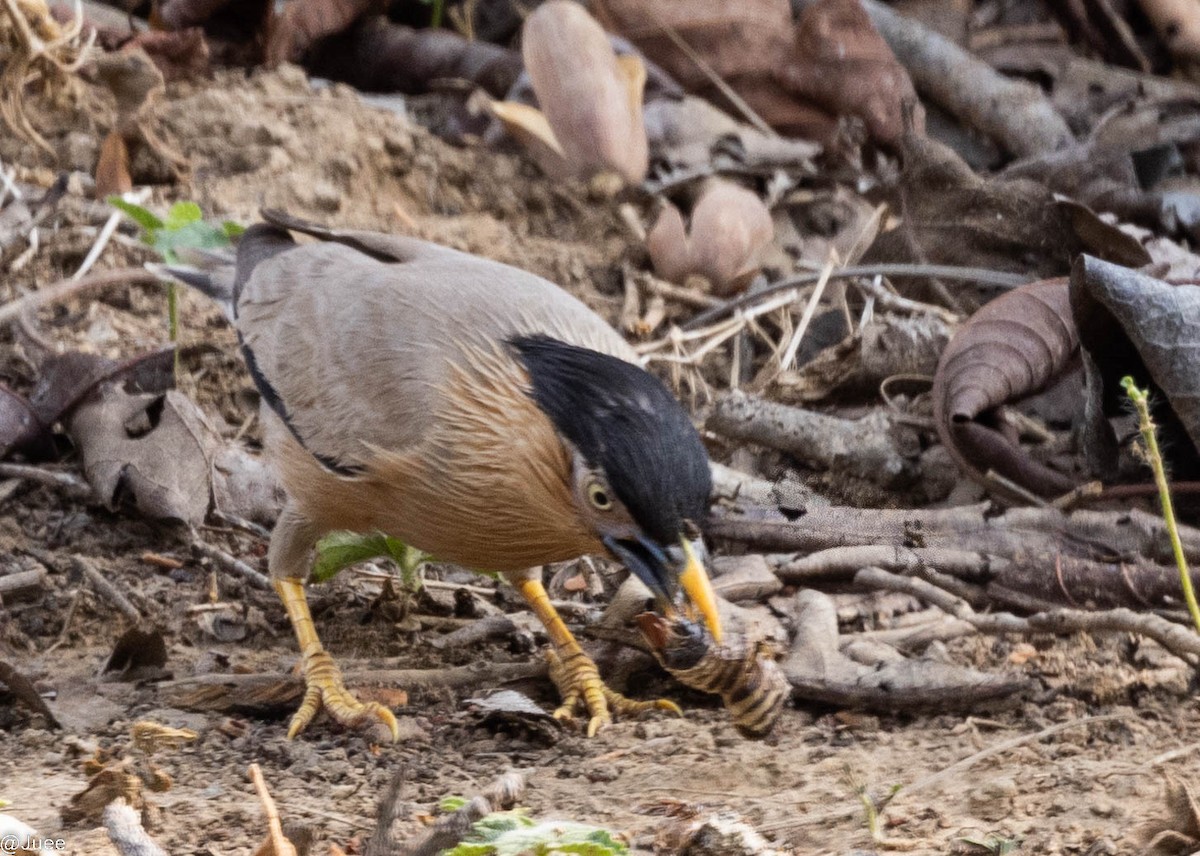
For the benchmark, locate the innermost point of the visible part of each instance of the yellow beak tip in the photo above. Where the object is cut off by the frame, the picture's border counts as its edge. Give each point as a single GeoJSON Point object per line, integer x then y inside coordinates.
{"type": "Point", "coordinates": [699, 590]}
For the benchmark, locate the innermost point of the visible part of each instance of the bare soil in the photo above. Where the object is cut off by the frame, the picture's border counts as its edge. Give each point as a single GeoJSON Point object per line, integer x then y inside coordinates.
{"type": "Point", "coordinates": [272, 140]}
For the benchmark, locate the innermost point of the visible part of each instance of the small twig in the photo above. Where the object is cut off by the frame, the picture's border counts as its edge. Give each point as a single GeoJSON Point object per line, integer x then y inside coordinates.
{"type": "Point", "coordinates": [381, 842]}
{"type": "Point", "coordinates": [890, 300]}
{"type": "Point", "coordinates": [1149, 433]}
{"type": "Point", "coordinates": [478, 631]}
{"type": "Point", "coordinates": [708, 71]}
{"type": "Point", "coordinates": [449, 831]}
{"type": "Point", "coordinates": [1170, 635]}
{"type": "Point", "coordinates": [279, 842]}
{"type": "Point", "coordinates": [68, 288]}
{"type": "Point", "coordinates": [106, 232]}
{"type": "Point", "coordinates": [11, 584]}
{"type": "Point", "coordinates": [70, 617]}
{"type": "Point", "coordinates": [125, 831]}
{"type": "Point", "coordinates": [255, 578]}
{"type": "Point", "coordinates": [810, 308]}
{"type": "Point", "coordinates": [241, 523]}
{"type": "Point", "coordinates": [103, 587]}
{"type": "Point", "coordinates": [983, 276]}
{"type": "Point", "coordinates": [71, 485]}
{"type": "Point", "coordinates": [679, 294]}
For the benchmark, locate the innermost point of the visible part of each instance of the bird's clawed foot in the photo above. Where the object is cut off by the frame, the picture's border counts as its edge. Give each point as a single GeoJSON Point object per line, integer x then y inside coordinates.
{"type": "Point", "coordinates": [325, 689]}
{"type": "Point", "coordinates": [578, 681]}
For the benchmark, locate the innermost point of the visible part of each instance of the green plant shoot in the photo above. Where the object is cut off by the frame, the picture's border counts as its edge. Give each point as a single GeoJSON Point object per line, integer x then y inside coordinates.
{"type": "Point", "coordinates": [1141, 404]}
{"type": "Point", "coordinates": [184, 227]}
{"type": "Point", "coordinates": [515, 833]}
{"type": "Point", "coordinates": [339, 550]}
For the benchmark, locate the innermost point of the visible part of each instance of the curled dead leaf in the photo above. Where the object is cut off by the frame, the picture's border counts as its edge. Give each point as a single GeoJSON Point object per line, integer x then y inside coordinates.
{"type": "Point", "coordinates": [1008, 350]}
{"type": "Point", "coordinates": [1133, 324]}
{"type": "Point", "coordinates": [592, 99]}
{"type": "Point", "coordinates": [730, 227]}
{"type": "Point", "coordinates": [155, 448]}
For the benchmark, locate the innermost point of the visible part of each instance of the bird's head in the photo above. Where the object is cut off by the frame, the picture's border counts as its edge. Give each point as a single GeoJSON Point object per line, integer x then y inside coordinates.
{"type": "Point", "coordinates": [640, 475]}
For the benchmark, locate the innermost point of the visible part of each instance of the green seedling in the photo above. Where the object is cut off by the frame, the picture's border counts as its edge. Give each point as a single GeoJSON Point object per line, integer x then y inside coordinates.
{"type": "Point", "coordinates": [1141, 403]}
{"type": "Point", "coordinates": [993, 845]}
{"type": "Point", "coordinates": [515, 833]}
{"type": "Point", "coordinates": [339, 550]}
{"type": "Point", "coordinates": [183, 228]}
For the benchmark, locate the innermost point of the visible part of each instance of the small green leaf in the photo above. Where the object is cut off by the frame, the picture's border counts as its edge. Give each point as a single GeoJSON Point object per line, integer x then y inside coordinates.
{"type": "Point", "coordinates": [449, 804]}
{"type": "Point", "coordinates": [232, 230]}
{"type": "Point", "coordinates": [181, 214]}
{"type": "Point", "coordinates": [339, 550]}
{"type": "Point", "coordinates": [469, 849]}
{"type": "Point", "coordinates": [144, 217]}
{"type": "Point", "coordinates": [194, 234]}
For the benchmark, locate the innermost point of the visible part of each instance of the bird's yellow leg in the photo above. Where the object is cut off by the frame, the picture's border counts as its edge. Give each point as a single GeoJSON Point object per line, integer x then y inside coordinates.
{"type": "Point", "coordinates": [574, 673]}
{"type": "Point", "coordinates": [322, 677]}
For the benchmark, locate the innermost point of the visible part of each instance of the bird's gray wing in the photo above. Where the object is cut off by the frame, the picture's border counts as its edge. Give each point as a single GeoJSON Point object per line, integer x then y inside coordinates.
{"type": "Point", "coordinates": [355, 335]}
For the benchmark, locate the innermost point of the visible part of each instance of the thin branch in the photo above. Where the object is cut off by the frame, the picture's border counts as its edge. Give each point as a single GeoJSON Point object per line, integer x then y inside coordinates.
{"type": "Point", "coordinates": [1175, 638]}
{"type": "Point", "coordinates": [69, 288]}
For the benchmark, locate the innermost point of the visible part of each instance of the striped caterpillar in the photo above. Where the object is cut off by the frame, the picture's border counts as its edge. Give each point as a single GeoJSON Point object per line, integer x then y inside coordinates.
{"type": "Point", "coordinates": [740, 670]}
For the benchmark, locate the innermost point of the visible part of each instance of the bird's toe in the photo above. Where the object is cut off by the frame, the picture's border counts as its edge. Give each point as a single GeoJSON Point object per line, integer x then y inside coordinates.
{"type": "Point", "coordinates": [326, 690]}
{"type": "Point", "coordinates": [583, 690]}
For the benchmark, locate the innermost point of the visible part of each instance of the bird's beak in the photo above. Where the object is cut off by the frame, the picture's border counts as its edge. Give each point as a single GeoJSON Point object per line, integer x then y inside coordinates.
{"type": "Point", "coordinates": [696, 585]}
{"type": "Point", "coordinates": [665, 576]}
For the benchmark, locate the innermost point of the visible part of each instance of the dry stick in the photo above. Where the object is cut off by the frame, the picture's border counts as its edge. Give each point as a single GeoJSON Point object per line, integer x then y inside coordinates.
{"type": "Point", "coordinates": [229, 563]}
{"type": "Point", "coordinates": [11, 584]}
{"type": "Point", "coordinates": [125, 831]}
{"type": "Point", "coordinates": [381, 843]}
{"type": "Point", "coordinates": [226, 691]}
{"type": "Point", "coordinates": [105, 589]}
{"type": "Point", "coordinates": [708, 71]}
{"type": "Point", "coordinates": [999, 279]}
{"type": "Point", "coordinates": [450, 830]}
{"type": "Point", "coordinates": [71, 485]}
{"type": "Point", "coordinates": [1015, 114]}
{"type": "Point", "coordinates": [845, 562]}
{"type": "Point", "coordinates": [1176, 639]}
{"type": "Point", "coordinates": [871, 448]}
{"type": "Point", "coordinates": [279, 842]}
{"type": "Point", "coordinates": [73, 287]}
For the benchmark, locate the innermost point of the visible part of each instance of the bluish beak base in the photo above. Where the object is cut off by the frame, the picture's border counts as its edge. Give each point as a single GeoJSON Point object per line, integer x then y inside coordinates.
{"type": "Point", "coordinates": [646, 561]}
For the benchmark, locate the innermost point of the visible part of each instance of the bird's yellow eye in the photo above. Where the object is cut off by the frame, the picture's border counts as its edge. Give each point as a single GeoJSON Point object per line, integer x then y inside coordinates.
{"type": "Point", "coordinates": [599, 496]}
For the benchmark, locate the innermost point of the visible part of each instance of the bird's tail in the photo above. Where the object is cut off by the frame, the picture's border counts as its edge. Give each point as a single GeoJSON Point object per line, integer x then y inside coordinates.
{"type": "Point", "coordinates": [220, 275]}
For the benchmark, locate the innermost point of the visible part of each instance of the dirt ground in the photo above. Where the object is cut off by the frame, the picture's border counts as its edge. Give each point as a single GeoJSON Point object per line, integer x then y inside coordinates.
{"type": "Point", "coordinates": [1075, 767]}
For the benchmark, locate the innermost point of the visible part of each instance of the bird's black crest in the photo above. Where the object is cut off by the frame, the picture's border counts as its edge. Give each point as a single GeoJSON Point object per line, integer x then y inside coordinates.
{"type": "Point", "coordinates": [624, 421]}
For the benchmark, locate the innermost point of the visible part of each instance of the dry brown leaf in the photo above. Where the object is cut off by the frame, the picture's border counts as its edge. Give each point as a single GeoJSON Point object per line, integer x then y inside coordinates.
{"type": "Point", "coordinates": [798, 77]}
{"type": "Point", "coordinates": [112, 167]}
{"type": "Point", "coordinates": [730, 227]}
{"type": "Point", "coordinates": [591, 101]}
{"type": "Point", "coordinates": [156, 448]}
{"type": "Point", "coordinates": [1010, 349]}
{"type": "Point", "coordinates": [26, 693]}
{"type": "Point", "coordinates": [950, 215]}
{"type": "Point", "coordinates": [303, 23]}
{"type": "Point", "coordinates": [842, 63]}
{"type": "Point", "coordinates": [529, 127]}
